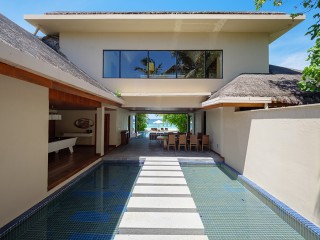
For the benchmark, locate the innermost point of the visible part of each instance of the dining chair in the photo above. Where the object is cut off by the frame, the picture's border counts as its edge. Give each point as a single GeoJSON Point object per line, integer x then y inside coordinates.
{"type": "Point", "coordinates": [171, 142]}
{"type": "Point", "coordinates": [205, 142]}
{"type": "Point", "coordinates": [182, 141]}
{"type": "Point", "coordinates": [193, 142]}
{"type": "Point", "coordinates": [199, 135]}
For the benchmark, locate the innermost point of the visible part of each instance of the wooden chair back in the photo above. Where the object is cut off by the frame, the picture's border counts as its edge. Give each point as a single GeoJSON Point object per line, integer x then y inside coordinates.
{"type": "Point", "coordinates": [182, 139]}
{"type": "Point", "coordinates": [193, 139]}
{"type": "Point", "coordinates": [193, 142]}
{"type": "Point", "coordinates": [171, 139]}
{"type": "Point", "coordinates": [205, 140]}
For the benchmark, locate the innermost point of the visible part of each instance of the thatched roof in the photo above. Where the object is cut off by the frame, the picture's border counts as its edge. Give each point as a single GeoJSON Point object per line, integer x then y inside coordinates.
{"type": "Point", "coordinates": [160, 12]}
{"type": "Point", "coordinates": [18, 38]}
{"type": "Point", "coordinates": [280, 84]}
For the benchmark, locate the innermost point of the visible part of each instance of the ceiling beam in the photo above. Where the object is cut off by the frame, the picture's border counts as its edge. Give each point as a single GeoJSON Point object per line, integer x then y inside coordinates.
{"type": "Point", "coordinates": [234, 105]}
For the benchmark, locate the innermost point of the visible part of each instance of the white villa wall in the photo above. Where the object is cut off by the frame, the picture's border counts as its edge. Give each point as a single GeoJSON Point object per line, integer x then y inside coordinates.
{"type": "Point", "coordinates": [113, 139]}
{"type": "Point", "coordinates": [118, 122]}
{"type": "Point", "coordinates": [198, 121]}
{"type": "Point", "coordinates": [23, 146]}
{"type": "Point", "coordinates": [66, 125]}
{"type": "Point", "coordinates": [162, 103]}
{"type": "Point", "coordinates": [122, 123]}
{"type": "Point", "coordinates": [215, 129]}
{"type": "Point", "coordinates": [278, 149]}
{"type": "Point", "coordinates": [242, 53]}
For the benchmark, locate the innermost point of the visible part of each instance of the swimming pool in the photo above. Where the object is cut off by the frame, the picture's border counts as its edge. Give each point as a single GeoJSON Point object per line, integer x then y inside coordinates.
{"type": "Point", "coordinates": [230, 211]}
{"type": "Point", "coordinates": [90, 209]}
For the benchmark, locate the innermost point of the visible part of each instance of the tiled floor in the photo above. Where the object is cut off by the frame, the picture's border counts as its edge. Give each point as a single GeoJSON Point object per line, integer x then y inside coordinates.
{"type": "Point", "coordinates": [142, 146]}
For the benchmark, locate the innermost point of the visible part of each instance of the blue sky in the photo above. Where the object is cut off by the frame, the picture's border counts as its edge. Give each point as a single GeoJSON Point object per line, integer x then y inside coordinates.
{"type": "Point", "coordinates": [289, 51]}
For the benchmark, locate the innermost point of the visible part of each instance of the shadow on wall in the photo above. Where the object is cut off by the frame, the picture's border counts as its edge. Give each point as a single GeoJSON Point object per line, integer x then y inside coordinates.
{"type": "Point", "coordinates": [236, 140]}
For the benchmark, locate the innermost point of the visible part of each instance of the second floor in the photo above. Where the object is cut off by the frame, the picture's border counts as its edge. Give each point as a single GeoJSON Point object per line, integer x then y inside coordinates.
{"type": "Point", "coordinates": [166, 53]}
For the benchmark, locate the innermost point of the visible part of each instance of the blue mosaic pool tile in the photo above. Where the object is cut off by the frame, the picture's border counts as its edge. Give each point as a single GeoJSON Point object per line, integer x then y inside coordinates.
{"type": "Point", "coordinates": [90, 236]}
{"type": "Point", "coordinates": [91, 207]}
{"type": "Point", "coordinates": [230, 211]}
{"type": "Point", "coordinates": [90, 217]}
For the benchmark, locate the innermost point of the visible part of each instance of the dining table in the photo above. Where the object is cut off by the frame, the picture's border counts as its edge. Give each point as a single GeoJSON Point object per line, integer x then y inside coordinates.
{"type": "Point", "coordinates": [163, 139]}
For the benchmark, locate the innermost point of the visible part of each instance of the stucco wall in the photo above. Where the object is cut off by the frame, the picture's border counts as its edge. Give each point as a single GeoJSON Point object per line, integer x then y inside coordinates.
{"type": "Point", "coordinates": [113, 139]}
{"type": "Point", "coordinates": [198, 122]}
{"type": "Point", "coordinates": [122, 123]}
{"type": "Point", "coordinates": [23, 146]}
{"type": "Point", "coordinates": [242, 53]}
{"type": "Point", "coordinates": [215, 129]}
{"type": "Point", "coordinates": [118, 122]}
{"type": "Point", "coordinates": [278, 149]}
{"type": "Point", "coordinates": [66, 125]}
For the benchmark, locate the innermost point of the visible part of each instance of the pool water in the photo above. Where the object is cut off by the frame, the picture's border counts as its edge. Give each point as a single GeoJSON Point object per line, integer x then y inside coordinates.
{"type": "Point", "coordinates": [90, 209]}
{"type": "Point", "coordinates": [228, 210]}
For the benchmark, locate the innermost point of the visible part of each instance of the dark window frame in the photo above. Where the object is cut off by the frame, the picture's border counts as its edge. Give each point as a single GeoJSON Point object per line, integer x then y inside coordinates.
{"type": "Point", "coordinates": [176, 72]}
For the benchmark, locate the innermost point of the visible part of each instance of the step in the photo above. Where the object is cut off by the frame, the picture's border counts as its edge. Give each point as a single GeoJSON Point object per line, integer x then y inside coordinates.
{"type": "Point", "coordinates": [146, 181]}
{"type": "Point", "coordinates": [161, 174]}
{"type": "Point", "coordinates": [162, 159]}
{"type": "Point", "coordinates": [159, 163]}
{"type": "Point", "coordinates": [161, 191]}
{"type": "Point", "coordinates": [161, 168]}
{"type": "Point", "coordinates": [161, 223]}
{"type": "Point", "coordinates": [160, 237]}
{"type": "Point", "coordinates": [161, 204]}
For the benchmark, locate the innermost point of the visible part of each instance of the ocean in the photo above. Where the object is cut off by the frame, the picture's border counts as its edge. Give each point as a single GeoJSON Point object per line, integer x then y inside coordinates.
{"type": "Point", "coordinates": [157, 123]}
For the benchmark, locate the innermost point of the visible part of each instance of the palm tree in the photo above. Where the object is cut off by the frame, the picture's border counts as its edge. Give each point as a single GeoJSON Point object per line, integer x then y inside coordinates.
{"type": "Point", "coordinates": [146, 62]}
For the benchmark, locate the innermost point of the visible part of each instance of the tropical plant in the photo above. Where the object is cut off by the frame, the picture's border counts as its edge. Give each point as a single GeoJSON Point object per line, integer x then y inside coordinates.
{"type": "Point", "coordinates": [311, 74]}
{"type": "Point", "coordinates": [179, 120]}
{"type": "Point", "coordinates": [146, 63]}
{"type": "Point", "coordinates": [142, 120]}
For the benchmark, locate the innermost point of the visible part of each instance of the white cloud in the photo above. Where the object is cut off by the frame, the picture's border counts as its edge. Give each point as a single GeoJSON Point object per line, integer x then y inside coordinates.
{"type": "Point", "coordinates": [295, 60]}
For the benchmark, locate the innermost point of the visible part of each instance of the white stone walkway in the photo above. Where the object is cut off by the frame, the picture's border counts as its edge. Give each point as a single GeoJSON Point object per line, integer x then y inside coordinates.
{"type": "Point", "coordinates": [161, 206]}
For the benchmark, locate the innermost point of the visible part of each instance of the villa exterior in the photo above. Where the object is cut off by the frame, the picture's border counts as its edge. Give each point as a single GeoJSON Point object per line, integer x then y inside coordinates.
{"type": "Point", "coordinates": [212, 65]}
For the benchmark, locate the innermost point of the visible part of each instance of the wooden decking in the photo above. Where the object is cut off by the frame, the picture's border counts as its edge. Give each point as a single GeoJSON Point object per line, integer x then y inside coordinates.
{"type": "Point", "coordinates": [63, 165]}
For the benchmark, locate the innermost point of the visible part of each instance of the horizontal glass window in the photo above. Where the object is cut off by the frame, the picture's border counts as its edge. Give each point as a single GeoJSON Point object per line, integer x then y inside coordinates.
{"type": "Point", "coordinates": [190, 64]}
{"type": "Point", "coordinates": [162, 64]}
{"type": "Point", "coordinates": [111, 60]}
{"type": "Point", "coordinates": [213, 62]}
{"type": "Point", "coordinates": [134, 64]}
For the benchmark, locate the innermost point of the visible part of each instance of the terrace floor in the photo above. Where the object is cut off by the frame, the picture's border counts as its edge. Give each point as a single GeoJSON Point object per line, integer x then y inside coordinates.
{"type": "Point", "coordinates": [64, 165]}
{"type": "Point", "coordinates": [142, 146]}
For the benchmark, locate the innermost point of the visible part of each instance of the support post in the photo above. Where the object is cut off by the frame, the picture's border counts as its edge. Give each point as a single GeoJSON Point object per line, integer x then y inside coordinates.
{"type": "Point", "coordinates": [100, 131]}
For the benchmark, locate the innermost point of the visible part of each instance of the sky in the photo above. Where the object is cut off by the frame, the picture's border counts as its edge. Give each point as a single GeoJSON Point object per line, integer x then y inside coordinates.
{"type": "Point", "coordinates": [289, 50]}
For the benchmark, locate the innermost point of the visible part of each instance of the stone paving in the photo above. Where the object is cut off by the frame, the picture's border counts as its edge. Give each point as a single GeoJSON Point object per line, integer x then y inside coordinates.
{"type": "Point", "coordinates": [142, 146]}
{"type": "Point", "coordinates": [161, 210]}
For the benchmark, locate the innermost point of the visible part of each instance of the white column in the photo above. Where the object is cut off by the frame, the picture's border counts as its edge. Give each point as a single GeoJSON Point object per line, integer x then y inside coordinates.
{"type": "Point", "coordinates": [100, 131]}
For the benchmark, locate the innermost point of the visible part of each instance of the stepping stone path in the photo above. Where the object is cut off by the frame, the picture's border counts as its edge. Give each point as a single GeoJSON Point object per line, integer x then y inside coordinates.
{"type": "Point", "coordinates": [161, 206]}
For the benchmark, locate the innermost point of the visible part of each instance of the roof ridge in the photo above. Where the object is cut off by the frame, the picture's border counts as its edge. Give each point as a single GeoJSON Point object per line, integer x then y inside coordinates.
{"type": "Point", "coordinates": [18, 38]}
{"type": "Point", "coordinates": [160, 12]}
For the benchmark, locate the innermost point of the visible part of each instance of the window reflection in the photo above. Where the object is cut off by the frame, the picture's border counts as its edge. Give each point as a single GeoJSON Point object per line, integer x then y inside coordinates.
{"type": "Point", "coordinates": [111, 67]}
{"type": "Point", "coordinates": [213, 64]}
{"type": "Point", "coordinates": [190, 64]}
{"type": "Point", "coordinates": [134, 64]}
{"type": "Point", "coordinates": [162, 64]}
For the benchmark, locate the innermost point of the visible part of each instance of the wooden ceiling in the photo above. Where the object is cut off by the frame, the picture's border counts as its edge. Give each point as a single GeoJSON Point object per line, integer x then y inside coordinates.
{"type": "Point", "coordinates": [66, 101]}
{"type": "Point", "coordinates": [72, 98]}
